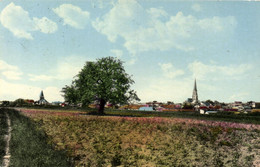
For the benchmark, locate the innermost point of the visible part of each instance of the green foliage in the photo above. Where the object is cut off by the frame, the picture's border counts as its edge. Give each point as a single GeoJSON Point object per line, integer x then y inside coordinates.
{"type": "Point", "coordinates": [18, 103]}
{"type": "Point", "coordinates": [210, 102]}
{"type": "Point", "coordinates": [187, 105]}
{"type": "Point", "coordinates": [3, 132]}
{"type": "Point", "coordinates": [5, 103]}
{"type": "Point", "coordinates": [28, 146]}
{"type": "Point", "coordinates": [70, 94]}
{"type": "Point", "coordinates": [104, 80]}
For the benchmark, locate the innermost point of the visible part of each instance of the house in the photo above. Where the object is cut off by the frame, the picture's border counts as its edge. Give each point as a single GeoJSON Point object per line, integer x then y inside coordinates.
{"type": "Point", "coordinates": [29, 101]}
{"type": "Point", "coordinates": [146, 109]}
{"type": "Point", "coordinates": [56, 103]}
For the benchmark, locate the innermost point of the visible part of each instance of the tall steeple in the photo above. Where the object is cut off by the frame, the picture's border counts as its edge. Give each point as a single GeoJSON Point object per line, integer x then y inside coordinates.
{"type": "Point", "coordinates": [195, 94]}
{"type": "Point", "coordinates": [41, 95]}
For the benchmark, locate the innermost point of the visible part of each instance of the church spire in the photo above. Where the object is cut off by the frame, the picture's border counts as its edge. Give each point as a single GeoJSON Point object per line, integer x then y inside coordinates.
{"type": "Point", "coordinates": [41, 95]}
{"type": "Point", "coordinates": [195, 93]}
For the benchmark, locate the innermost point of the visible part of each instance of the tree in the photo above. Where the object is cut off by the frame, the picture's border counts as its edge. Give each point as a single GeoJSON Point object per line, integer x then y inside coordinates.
{"type": "Point", "coordinates": [187, 105]}
{"type": "Point", "coordinates": [210, 102]}
{"type": "Point", "coordinates": [19, 103]}
{"type": "Point", "coordinates": [104, 80]}
{"type": "Point", "coordinates": [70, 94]}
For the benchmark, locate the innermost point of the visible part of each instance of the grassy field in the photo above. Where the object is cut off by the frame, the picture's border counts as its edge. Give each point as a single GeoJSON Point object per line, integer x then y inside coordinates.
{"type": "Point", "coordinates": [28, 145]}
{"type": "Point", "coordinates": [129, 139]}
{"type": "Point", "coordinates": [3, 132]}
{"type": "Point", "coordinates": [252, 118]}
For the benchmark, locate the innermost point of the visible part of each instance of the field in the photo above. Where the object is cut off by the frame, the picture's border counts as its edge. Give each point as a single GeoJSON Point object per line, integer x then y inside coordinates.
{"type": "Point", "coordinates": [28, 145]}
{"type": "Point", "coordinates": [148, 141]}
{"type": "Point", "coordinates": [42, 137]}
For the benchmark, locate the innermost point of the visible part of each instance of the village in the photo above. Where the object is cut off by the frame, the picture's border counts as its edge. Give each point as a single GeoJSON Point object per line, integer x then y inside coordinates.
{"type": "Point", "coordinates": [135, 83]}
{"type": "Point", "coordinates": [191, 104]}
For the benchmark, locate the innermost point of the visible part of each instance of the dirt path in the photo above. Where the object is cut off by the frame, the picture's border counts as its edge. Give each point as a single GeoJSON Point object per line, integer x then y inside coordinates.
{"type": "Point", "coordinates": [7, 156]}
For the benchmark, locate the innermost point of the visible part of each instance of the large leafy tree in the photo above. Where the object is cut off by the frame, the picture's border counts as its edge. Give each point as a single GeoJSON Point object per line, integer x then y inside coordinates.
{"type": "Point", "coordinates": [70, 94]}
{"type": "Point", "coordinates": [104, 80]}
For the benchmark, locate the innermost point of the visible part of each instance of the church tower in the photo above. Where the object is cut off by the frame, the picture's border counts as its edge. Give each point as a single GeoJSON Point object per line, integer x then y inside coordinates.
{"type": "Point", "coordinates": [195, 99]}
{"type": "Point", "coordinates": [42, 99]}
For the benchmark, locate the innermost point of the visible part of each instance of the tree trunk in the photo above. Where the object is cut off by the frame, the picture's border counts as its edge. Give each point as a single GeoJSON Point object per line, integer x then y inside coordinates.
{"type": "Point", "coordinates": [101, 106]}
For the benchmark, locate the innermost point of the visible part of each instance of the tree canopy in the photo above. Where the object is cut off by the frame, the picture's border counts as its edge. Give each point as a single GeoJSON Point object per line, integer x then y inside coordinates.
{"type": "Point", "coordinates": [104, 80]}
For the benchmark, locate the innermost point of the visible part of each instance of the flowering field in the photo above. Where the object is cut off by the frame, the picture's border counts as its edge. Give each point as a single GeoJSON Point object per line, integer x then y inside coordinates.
{"type": "Point", "coordinates": [138, 141]}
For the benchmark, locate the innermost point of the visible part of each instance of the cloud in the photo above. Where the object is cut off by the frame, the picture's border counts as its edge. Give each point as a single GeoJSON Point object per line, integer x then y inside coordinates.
{"type": "Point", "coordinates": [157, 13]}
{"type": "Point", "coordinates": [117, 53]}
{"type": "Point", "coordinates": [40, 77]}
{"type": "Point", "coordinates": [6, 66]}
{"type": "Point", "coordinates": [67, 68]}
{"type": "Point", "coordinates": [52, 93]}
{"type": "Point", "coordinates": [196, 7]}
{"type": "Point", "coordinates": [214, 81]}
{"type": "Point", "coordinates": [70, 66]}
{"type": "Point", "coordinates": [163, 89]}
{"type": "Point", "coordinates": [45, 25]}
{"type": "Point", "coordinates": [216, 72]}
{"type": "Point", "coordinates": [240, 96]}
{"type": "Point", "coordinates": [9, 71]}
{"type": "Point", "coordinates": [132, 61]}
{"type": "Point", "coordinates": [154, 29]}
{"type": "Point", "coordinates": [101, 3]}
{"type": "Point", "coordinates": [125, 17]}
{"type": "Point", "coordinates": [17, 20]}
{"type": "Point", "coordinates": [12, 75]}
{"type": "Point", "coordinates": [169, 71]}
{"type": "Point", "coordinates": [13, 91]}
{"type": "Point", "coordinates": [72, 15]}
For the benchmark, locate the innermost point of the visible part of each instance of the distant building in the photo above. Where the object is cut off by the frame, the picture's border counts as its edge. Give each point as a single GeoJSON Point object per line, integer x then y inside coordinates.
{"type": "Point", "coordinates": [189, 100]}
{"type": "Point", "coordinates": [29, 101]}
{"type": "Point", "coordinates": [146, 109]}
{"type": "Point", "coordinates": [195, 98]}
{"type": "Point", "coordinates": [42, 99]}
{"type": "Point", "coordinates": [256, 105]}
{"type": "Point", "coordinates": [56, 103]}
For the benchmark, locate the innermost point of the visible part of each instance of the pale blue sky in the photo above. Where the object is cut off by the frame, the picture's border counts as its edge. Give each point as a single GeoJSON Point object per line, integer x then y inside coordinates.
{"type": "Point", "coordinates": [165, 46]}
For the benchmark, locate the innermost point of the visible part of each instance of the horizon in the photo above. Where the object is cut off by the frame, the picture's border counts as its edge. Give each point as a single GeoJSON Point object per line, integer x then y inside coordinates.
{"type": "Point", "coordinates": [141, 102]}
{"type": "Point", "coordinates": [165, 46]}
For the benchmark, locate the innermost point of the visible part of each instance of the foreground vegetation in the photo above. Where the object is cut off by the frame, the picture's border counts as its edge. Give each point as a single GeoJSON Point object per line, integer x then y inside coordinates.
{"type": "Point", "coordinates": [3, 132]}
{"type": "Point", "coordinates": [149, 141]}
{"type": "Point", "coordinates": [28, 145]}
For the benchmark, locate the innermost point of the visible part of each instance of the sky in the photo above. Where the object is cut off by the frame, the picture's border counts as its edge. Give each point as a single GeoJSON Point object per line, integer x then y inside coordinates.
{"type": "Point", "coordinates": [164, 45]}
